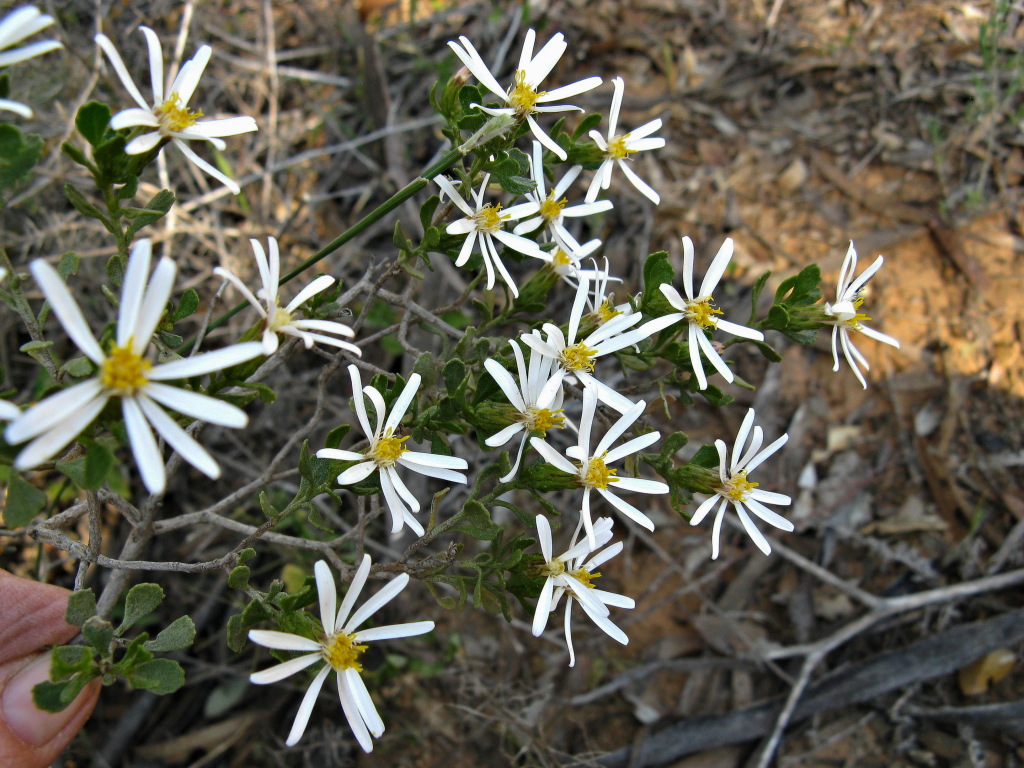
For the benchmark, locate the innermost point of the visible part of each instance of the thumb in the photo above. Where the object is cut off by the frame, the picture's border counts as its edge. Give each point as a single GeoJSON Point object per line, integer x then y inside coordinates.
{"type": "Point", "coordinates": [30, 737]}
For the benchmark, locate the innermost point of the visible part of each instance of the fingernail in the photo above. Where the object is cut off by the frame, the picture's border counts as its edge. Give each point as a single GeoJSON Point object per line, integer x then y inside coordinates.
{"type": "Point", "coordinates": [26, 721]}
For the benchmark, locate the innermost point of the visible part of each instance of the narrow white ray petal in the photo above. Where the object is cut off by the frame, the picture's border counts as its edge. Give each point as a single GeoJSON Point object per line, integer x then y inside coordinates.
{"type": "Point", "coordinates": [752, 530]}
{"type": "Point", "coordinates": [703, 509]}
{"type": "Point", "coordinates": [866, 275]}
{"type": "Point", "coordinates": [568, 91]}
{"type": "Point", "coordinates": [606, 394]}
{"type": "Point", "coordinates": [282, 641]}
{"type": "Point", "coordinates": [717, 269]}
{"type": "Point", "coordinates": [401, 404]}
{"type": "Point", "coordinates": [338, 454]}
{"type": "Point", "coordinates": [66, 310]}
{"type": "Point", "coordinates": [357, 473]}
{"type": "Point", "coordinates": [147, 454]}
{"type": "Point", "coordinates": [632, 446]}
{"type": "Point", "coordinates": [616, 430]}
{"type": "Point", "coordinates": [741, 439]}
{"type": "Point", "coordinates": [29, 51]}
{"type": "Point", "coordinates": [713, 357]}
{"type": "Point", "coordinates": [431, 471]}
{"type": "Point", "coordinates": [873, 334]}
{"type": "Point", "coordinates": [688, 268]}
{"type": "Point", "coordinates": [766, 453]}
{"type": "Point", "coordinates": [568, 633]}
{"type": "Point", "coordinates": [642, 186]}
{"type": "Point", "coordinates": [224, 126]}
{"type": "Point", "coordinates": [204, 166]}
{"type": "Point", "coordinates": [673, 296]}
{"type": "Point", "coordinates": [739, 330]}
{"type": "Point", "coordinates": [394, 631]}
{"type": "Point", "coordinates": [156, 64]}
{"type": "Point", "coordinates": [502, 437]}
{"type": "Point", "coordinates": [627, 509]}
{"type": "Point", "coordinates": [455, 196]}
{"type": "Point", "coordinates": [768, 515]}
{"type": "Point", "coordinates": [191, 72]}
{"type": "Point", "coordinates": [326, 591]}
{"type": "Point", "coordinates": [122, 72]}
{"type": "Point", "coordinates": [644, 145]}
{"type": "Point", "coordinates": [538, 67]}
{"type": "Point", "coordinates": [613, 599]}
{"type": "Point", "coordinates": [319, 285]}
{"type": "Point", "coordinates": [54, 411]}
{"type": "Point", "coordinates": [141, 326]}
{"type": "Point", "coordinates": [695, 333]}
{"type": "Point", "coordinates": [604, 555]}
{"type": "Point", "coordinates": [286, 669]}
{"type": "Point", "coordinates": [585, 595]}
{"type": "Point", "coordinates": [543, 610]}
{"type": "Point", "coordinates": [474, 63]}
{"type": "Point", "coordinates": [507, 384]}
{"type": "Point", "coordinates": [207, 362]}
{"type": "Point", "coordinates": [544, 537]}
{"type": "Point", "coordinates": [553, 457]}
{"type": "Point", "coordinates": [190, 450]}
{"type": "Point", "coordinates": [363, 701]}
{"type": "Point", "coordinates": [767, 497]}
{"type": "Point", "coordinates": [354, 588]}
{"type": "Point", "coordinates": [639, 485]}
{"type": "Point", "coordinates": [16, 107]}
{"type": "Point", "coordinates": [378, 601]}
{"type": "Point", "coordinates": [605, 625]}
{"type": "Point", "coordinates": [198, 406]}
{"type": "Point", "coordinates": [353, 715]}
{"type": "Point", "coordinates": [420, 458]}
{"type": "Point", "coordinates": [242, 288]}
{"type": "Point", "coordinates": [49, 443]}
{"type": "Point", "coordinates": [716, 529]}
{"type": "Point", "coordinates": [396, 507]}
{"type": "Point", "coordinates": [546, 140]}
{"type": "Point", "coordinates": [133, 117]}
{"type": "Point", "coordinates": [306, 707]}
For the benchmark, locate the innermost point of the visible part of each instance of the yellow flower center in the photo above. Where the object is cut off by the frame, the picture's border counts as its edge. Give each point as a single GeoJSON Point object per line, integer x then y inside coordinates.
{"type": "Point", "coordinates": [578, 357]}
{"type": "Point", "coordinates": [489, 219]}
{"type": "Point", "coordinates": [388, 450]}
{"type": "Point", "coordinates": [585, 577]}
{"type": "Point", "coordinates": [561, 258]}
{"type": "Point", "coordinates": [552, 568]}
{"type": "Point", "coordinates": [124, 372]}
{"type": "Point", "coordinates": [542, 419]}
{"type": "Point", "coordinates": [175, 116]}
{"type": "Point", "coordinates": [702, 311]}
{"type": "Point", "coordinates": [522, 96]}
{"type": "Point", "coordinates": [280, 319]}
{"type": "Point", "coordinates": [606, 311]}
{"type": "Point", "coordinates": [617, 147]}
{"type": "Point", "coordinates": [738, 488]}
{"type": "Point", "coordinates": [598, 475]}
{"type": "Point", "coordinates": [551, 209]}
{"type": "Point", "coordinates": [341, 652]}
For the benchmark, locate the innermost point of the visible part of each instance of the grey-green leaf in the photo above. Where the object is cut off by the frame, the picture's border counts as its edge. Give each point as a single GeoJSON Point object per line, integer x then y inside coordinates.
{"type": "Point", "coordinates": [142, 600]}
{"type": "Point", "coordinates": [161, 676]}
{"type": "Point", "coordinates": [178, 635]}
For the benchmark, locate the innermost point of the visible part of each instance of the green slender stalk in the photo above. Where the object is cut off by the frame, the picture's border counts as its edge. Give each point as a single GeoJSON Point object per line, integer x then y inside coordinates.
{"type": "Point", "coordinates": [410, 189]}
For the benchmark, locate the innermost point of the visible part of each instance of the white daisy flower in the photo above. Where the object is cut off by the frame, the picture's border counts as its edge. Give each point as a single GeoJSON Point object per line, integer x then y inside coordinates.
{"type": "Point", "coordinates": [737, 490]}
{"type": "Point", "coordinates": [549, 209]}
{"type": "Point", "coordinates": [169, 114]}
{"type": "Point", "coordinates": [573, 573]}
{"type": "Point", "coordinates": [601, 302]}
{"type": "Point", "coordinates": [386, 453]}
{"type": "Point", "coordinates": [848, 317]}
{"type": "Point", "coordinates": [539, 409]}
{"type": "Point", "coordinates": [125, 373]}
{"type": "Point", "coordinates": [282, 319]}
{"type": "Point", "coordinates": [592, 470]}
{"type": "Point", "coordinates": [15, 27]}
{"type": "Point", "coordinates": [699, 311]}
{"type": "Point", "coordinates": [484, 222]}
{"type": "Point", "coordinates": [617, 149]}
{"type": "Point", "coordinates": [340, 648]}
{"type": "Point", "coordinates": [522, 97]}
{"type": "Point", "coordinates": [577, 358]}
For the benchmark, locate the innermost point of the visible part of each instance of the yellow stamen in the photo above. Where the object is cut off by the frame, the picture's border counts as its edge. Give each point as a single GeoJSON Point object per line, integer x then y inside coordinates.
{"type": "Point", "coordinates": [578, 357]}
{"type": "Point", "coordinates": [341, 652]}
{"type": "Point", "coordinates": [280, 319]}
{"type": "Point", "coordinates": [617, 147]}
{"type": "Point", "coordinates": [738, 488]}
{"type": "Point", "coordinates": [388, 450]}
{"type": "Point", "coordinates": [522, 96]}
{"type": "Point", "coordinates": [606, 312]}
{"type": "Point", "coordinates": [489, 219]}
{"type": "Point", "coordinates": [561, 258]}
{"type": "Point", "coordinates": [175, 116]}
{"type": "Point", "coordinates": [542, 419]}
{"type": "Point", "coordinates": [551, 209]}
{"type": "Point", "coordinates": [702, 311]}
{"type": "Point", "coordinates": [552, 568]}
{"type": "Point", "coordinates": [124, 372]}
{"type": "Point", "coordinates": [585, 577]}
{"type": "Point", "coordinates": [598, 475]}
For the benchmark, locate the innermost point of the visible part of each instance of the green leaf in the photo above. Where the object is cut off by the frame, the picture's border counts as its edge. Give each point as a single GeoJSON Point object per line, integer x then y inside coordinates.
{"type": "Point", "coordinates": [99, 634]}
{"type": "Point", "coordinates": [128, 189]}
{"type": "Point", "coordinates": [76, 155]}
{"type": "Point", "coordinates": [155, 210]}
{"type": "Point", "coordinates": [476, 521]}
{"type": "Point", "coordinates": [586, 125]}
{"type": "Point", "coordinates": [81, 607]}
{"type": "Point", "coordinates": [24, 501]}
{"type": "Point", "coordinates": [68, 265]}
{"type": "Point", "coordinates": [657, 271]}
{"type": "Point", "coordinates": [455, 376]}
{"type": "Point", "coordinates": [19, 154]}
{"type": "Point", "coordinates": [246, 555]}
{"type": "Point", "coordinates": [427, 211]}
{"type": "Point", "coordinates": [239, 577]}
{"type": "Point", "coordinates": [177, 636]}
{"type": "Point", "coordinates": [316, 519]}
{"type": "Point", "coordinates": [769, 352]}
{"type": "Point", "coordinates": [707, 456]}
{"type": "Point", "coordinates": [236, 632]}
{"type": "Point", "coordinates": [188, 304]}
{"type": "Point", "coordinates": [68, 660]}
{"type": "Point", "coordinates": [141, 601]}
{"type": "Point", "coordinates": [92, 121]}
{"type": "Point", "coordinates": [84, 207]}
{"type": "Point", "coordinates": [755, 295]}
{"type": "Point", "coordinates": [55, 697]}
{"type": "Point", "coordinates": [77, 367]}
{"type": "Point", "coordinates": [336, 435]}
{"type": "Point", "coordinates": [160, 676]}
{"type": "Point", "coordinates": [92, 470]}
{"type": "Point", "coordinates": [715, 396]}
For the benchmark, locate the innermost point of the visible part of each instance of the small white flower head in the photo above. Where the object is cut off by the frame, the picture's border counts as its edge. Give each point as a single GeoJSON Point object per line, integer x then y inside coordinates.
{"type": "Point", "coordinates": [169, 114]}
{"type": "Point", "coordinates": [15, 27]}
{"type": "Point", "coordinates": [618, 148]}
{"type": "Point", "coordinates": [126, 373]}
{"type": "Point", "coordinates": [600, 301]}
{"type": "Point", "coordinates": [573, 573]}
{"type": "Point", "coordinates": [484, 223]}
{"type": "Point", "coordinates": [340, 649]}
{"type": "Point", "coordinates": [548, 209]}
{"type": "Point", "coordinates": [591, 467]}
{"type": "Point", "coordinates": [738, 490]}
{"type": "Point", "coordinates": [523, 99]}
{"type": "Point", "coordinates": [567, 262]}
{"type": "Point", "coordinates": [387, 452]}
{"type": "Point", "coordinates": [539, 408]}
{"type": "Point", "coordinates": [577, 358]}
{"type": "Point", "coordinates": [848, 317]}
{"type": "Point", "coordinates": [283, 319]}
{"type": "Point", "coordinates": [699, 311]}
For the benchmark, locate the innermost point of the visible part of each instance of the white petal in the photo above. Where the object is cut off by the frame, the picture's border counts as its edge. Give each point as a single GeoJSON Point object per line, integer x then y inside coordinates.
{"type": "Point", "coordinates": [66, 310]}
{"type": "Point", "coordinates": [204, 166]}
{"type": "Point", "coordinates": [401, 404]}
{"type": "Point", "coordinates": [338, 454]}
{"type": "Point", "coordinates": [45, 446]}
{"type": "Point", "coordinates": [752, 530]}
{"type": "Point", "coordinates": [133, 289]}
{"type": "Point", "coordinates": [54, 411]}
{"type": "Point", "coordinates": [190, 450]}
{"type": "Point", "coordinates": [357, 473]}
{"type": "Point", "coordinates": [133, 117]}
{"type": "Point", "coordinates": [632, 446]}
{"type": "Point", "coordinates": [353, 715]}
{"type": "Point", "coordinates": [378, 601]}
{"type": "Point", "coordinates": [286, 669]}
{"type": "Point", "coordinates": [540, 614]}
{"type": "Point", "coordinates": [198, 406]}
{"type": "Point", "coordinates": [717, 268]}
{"type": "Point", "coordinates": [642, 186]}
{"type": "Point", "coordinates": [306, 707]}
{"type": "Point", "coordinates": [354, 588]}
{"type": "Point", "coordinates": [703, 509]}
{"type": "Point", "coordinates": [505, 435]}
{"type": "Point", "coordinates": [394, 631]}
{"type": "Point", "coordinates": [282, 641]}
{"type": "Point", "coordinates": [147, 454]}
{"type": "Point", "coordinates": [506, 383]}
{"type": "Point", "coordinates": [327, 592]}
{"type": "Point", "coordinates": [207, 362]}
{"type": "Point", "coordinates": [628, 509]}
{"type": "Point", "coordinates": [363, 702]}
{"type": "Point", "coordinates": [122, 72]}
{"type": "Point", "coordinates": [769, 516]}
{"type": "Point", "coordinates": [553, 457]}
